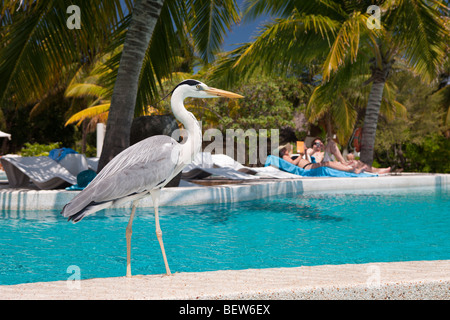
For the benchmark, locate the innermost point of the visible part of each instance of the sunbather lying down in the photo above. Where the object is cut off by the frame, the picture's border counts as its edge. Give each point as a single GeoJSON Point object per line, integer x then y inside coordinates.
{"type": "Point", "coordinates": [285, 154]}
{"type": "Point", "coordinates": [351, 159]}
{"type": "Point", "coordinates": [321, 157]}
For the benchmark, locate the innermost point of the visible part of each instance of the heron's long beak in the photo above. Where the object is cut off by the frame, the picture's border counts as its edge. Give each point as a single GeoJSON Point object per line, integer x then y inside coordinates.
{"type": "Point", "coordinates": [223, 93]}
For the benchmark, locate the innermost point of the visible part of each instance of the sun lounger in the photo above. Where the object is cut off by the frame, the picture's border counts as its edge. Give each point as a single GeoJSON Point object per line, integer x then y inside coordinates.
{"type": "Point", "coordinates": [271, 172]}
{"type": "Point", "coordinates": [75, 163]}
{"type": "Point", "coordinates": [228, 173]}
{"type": "Point", "coordinates": [5, 135]}
{"type": "Point", "coordinates": [205, 165]}
{"type": "Point", "coordinates": [257, 172]}
{"type": "Point", "coordinates": [318, 172]}
{"type": "Point", "coordinates": [201, 160]}
{"type": "Point", "coordinates": [44, 172]}
{"type": "Point", "coordinates": [93, 163]}
{"type": "Point", "coordinates": [224, 161]}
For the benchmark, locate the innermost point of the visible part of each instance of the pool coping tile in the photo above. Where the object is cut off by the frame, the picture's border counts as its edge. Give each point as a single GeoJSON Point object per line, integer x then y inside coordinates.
{"type": "Point", "coordinates": [425, 280]}
{"type": "Point", "coordinates": [25, 199]}
{"type": "Point", "coordinates": [395, 280]}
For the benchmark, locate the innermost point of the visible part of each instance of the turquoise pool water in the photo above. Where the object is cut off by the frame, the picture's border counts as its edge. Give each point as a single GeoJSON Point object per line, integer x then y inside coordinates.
{"type": "Point", "coordinates": [283, 231]}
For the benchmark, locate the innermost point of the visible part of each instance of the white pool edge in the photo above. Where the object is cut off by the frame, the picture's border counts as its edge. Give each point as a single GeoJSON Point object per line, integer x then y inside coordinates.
{"type": "Point", "coordinates": [12, 199]}
{"type": "Point", "coordinates": [412, 280]}
{"type": "Point", "coordinates": [397, 280]}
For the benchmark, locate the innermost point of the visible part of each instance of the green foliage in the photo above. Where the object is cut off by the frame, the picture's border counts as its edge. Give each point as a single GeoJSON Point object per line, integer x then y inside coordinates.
{"type": "Point", "coordinates": [264, 106]}
{"type": "Point", "coordinates": [37, 35]}
{"type": "Point", "coordinates": [91, 151]}
{"type": "Point", "coordinates": [41, 123]}
{"type": "Point", "coordinates": [430, 156]}
{"type": "Point", "coordinates": [337, 35]}
{"type": "Point", "coordinates": [37, 150]}
{"type": "Point", "coordinates": [416, 142]}
{"type": "Point", "coordinates": [375, 164]}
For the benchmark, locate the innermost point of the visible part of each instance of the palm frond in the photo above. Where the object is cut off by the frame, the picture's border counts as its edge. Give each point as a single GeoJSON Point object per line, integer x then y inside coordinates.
{"type": "Point", "coordinates": [447, 119]}
{"type": "Point", "coordinates": [346, 45]}
{"type": "Point", "coordinates": [181, 27]}
{"type": "Point", "coordinates": [223, 73]}
{"type": "Point", "coordinates": [319, 103]}
{"type": "Point", "coordinates": [36, 45]}
{"type": "Point", "coordinates": [162, 52]}
{"type": "Point", "coordinates": [255, 8]}
{"type": "Point", "coordinates": [83, 90]}
{"type": "Point", "coordinates": [88, 113]}
{"type": "Point", "coordinates": [338, 104]}
{"type": "Point", "coordinates": [390, 107]}
{"type": "Point", "coordinates": [283, 9]}
{"type": "Point", "coordinates": [284, 41]}
{"type": "Point", "coordinates": [208, 22]}
{"type": "Point", "coordinates": [419, 34]}
{"type": "Point", "coordinates": [344, 115]}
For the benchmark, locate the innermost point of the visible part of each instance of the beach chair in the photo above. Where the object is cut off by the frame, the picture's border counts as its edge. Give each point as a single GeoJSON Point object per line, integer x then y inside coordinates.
{"type": "Point", "coordinates": [206, 165]}
{"type": "Point", "coordinates": [317, 172]}
{"type": "Point", "coordinates": [44, 172]}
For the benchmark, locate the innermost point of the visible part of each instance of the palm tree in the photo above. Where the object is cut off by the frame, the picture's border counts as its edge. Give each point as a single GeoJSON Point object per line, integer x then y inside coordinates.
{"type": "Point", "coordinates": [143, 21]}
{"type": "Point", "coordinates": [87, 92]}
{"type": "Point", "coordinates": [39, 54]}
{"type": "Point", "coordinates": [338, 34]}
{"type": "Point", "coordinates": [37, 49]}
{"type": "Point", "coordinates": [90, 91]}
{"type": "Point", "coordinates": [206, 20]}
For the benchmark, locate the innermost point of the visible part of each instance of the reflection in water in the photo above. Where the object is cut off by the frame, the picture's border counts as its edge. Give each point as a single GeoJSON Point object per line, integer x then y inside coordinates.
{"type": "Point", "coordinates": [299, 208]}
{"type": "Point", "coordinates": [313, 213]}
{"type": "Point", "coordinates": [285, 231]}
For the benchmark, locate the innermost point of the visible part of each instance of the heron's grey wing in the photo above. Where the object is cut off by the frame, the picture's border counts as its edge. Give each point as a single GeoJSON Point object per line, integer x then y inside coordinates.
{"type": "Point", "coordinates": [138, 168]}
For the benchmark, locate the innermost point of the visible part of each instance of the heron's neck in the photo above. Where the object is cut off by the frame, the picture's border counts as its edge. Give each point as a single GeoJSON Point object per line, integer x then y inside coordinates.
{"type": "Point", "coordinates": [188, 120]}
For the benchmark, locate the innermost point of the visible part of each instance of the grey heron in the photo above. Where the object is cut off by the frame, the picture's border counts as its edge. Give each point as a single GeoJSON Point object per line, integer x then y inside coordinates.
{"type": "Point", "coordinates": [146, 167]}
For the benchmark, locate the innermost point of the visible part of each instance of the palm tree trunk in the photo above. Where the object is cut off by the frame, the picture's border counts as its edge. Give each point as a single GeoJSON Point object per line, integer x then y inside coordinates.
{"type": "Point", "coordinates": [121, 112]}
{"type": "Point", "coordinates": [370, 122]}
{"type": "Point", "coordinates": [84, 132]}
{"type": "Point", "coordinates": [329, 126]}
{"type": "Point", "coordinates": [379, 77]}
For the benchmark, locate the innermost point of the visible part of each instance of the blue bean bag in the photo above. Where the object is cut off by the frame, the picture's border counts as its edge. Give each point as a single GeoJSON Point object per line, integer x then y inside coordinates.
{"type": "Point", "coordinates": [60, 153]}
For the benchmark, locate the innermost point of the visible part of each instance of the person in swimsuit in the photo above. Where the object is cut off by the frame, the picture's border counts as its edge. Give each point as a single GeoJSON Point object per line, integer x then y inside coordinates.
{"type": "Point", "coordinates": [351, 158]}
{"type": "Point", "coordinates": [285, 154]}
{"type": "Point", "coordinates": [319, 152]}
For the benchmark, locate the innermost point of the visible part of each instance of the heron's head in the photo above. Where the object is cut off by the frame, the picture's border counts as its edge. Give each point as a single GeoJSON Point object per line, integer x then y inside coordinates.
{"type": "Point", "coordinates": [197, 89]}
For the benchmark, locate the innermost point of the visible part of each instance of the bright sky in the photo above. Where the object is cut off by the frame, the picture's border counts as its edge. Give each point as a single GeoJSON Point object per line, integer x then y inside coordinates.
{"type": "Point", "coordinates": [243, 32]}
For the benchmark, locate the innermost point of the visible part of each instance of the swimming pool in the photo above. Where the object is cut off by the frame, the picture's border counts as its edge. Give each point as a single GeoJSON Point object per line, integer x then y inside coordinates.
{"type": "Point", "coordinates": [312, 228]}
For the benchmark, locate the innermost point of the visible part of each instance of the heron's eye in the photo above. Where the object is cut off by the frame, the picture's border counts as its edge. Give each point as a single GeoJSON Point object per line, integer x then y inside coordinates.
{"type": "Point", "coordinates": [198, 87]}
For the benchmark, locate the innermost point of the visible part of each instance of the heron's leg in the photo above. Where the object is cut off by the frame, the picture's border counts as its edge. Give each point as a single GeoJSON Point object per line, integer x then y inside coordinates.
{"type": "Point", "coordinates": [128, 234]}
{"type": "Point", "coordinates": [155, 198]}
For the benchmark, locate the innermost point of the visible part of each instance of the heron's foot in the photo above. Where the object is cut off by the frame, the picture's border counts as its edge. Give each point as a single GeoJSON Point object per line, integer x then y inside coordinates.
{"type": "Point", "coordinates": [129, 271]}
